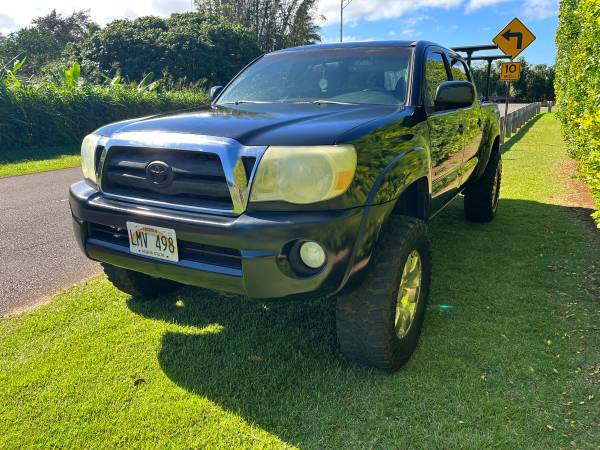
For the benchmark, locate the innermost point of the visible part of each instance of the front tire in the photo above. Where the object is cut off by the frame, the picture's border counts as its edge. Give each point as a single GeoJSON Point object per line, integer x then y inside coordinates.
{"type": "Point", "coordinates": [137, 284]}
{"type": "Point", "coordinates": [481, 198]}
{"type": "Point", "coordinates": [379, 323]}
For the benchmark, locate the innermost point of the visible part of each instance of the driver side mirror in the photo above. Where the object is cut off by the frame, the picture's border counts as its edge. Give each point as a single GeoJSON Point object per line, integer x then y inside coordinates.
{"type": "Point", "coordinates": [214, 92]}
{"type": "Point", "coordinates": [454, 94]}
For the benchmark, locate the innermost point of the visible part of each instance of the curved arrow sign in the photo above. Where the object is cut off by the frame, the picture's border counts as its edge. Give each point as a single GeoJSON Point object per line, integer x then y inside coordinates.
{"type": "Point", "coordinates": [514, 38]}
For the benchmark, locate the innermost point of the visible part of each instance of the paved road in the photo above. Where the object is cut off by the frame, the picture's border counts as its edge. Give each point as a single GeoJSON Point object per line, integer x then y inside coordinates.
{"type": "Point", "coordinates": [38, 254]}
{"type": "Point", "coordinates": [511, 107]}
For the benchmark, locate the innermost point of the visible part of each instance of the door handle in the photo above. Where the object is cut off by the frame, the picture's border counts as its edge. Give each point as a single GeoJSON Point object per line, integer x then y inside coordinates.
{"type": "Point", "coordinates": [460, 128]}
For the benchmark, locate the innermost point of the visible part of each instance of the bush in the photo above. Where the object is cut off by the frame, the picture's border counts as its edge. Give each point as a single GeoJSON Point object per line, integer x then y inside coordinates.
{"type": "Point", "coordinates": [45, 114]}
{"type": "Point", "coordinates": [190, 47]}
{"type": "Point", "coordinates": [577, 86]}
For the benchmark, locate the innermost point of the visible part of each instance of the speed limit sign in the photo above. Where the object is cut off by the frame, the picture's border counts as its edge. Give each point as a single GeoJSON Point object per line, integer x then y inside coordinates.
{"type": "Point", "coordinates": [510, 71]}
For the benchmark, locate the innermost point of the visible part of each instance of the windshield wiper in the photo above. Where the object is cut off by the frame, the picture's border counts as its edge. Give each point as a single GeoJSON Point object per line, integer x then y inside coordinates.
{"type": "Point", "coordinates": [238, 102]}
{"type": "Point", "coordinates": [323, 102]}
{"type": "Point", "coordinates": [312, 102]}
{"type": "Point", "coordinates": [331, 102]}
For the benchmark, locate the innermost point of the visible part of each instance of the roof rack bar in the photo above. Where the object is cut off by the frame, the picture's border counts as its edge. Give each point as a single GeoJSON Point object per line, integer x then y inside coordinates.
{"type": "Point", "coordinates": [474, 48]}
{"type": "Point", "coordinates": [489, 58]}
{"type": "Point", "coordinates": [470, 49]}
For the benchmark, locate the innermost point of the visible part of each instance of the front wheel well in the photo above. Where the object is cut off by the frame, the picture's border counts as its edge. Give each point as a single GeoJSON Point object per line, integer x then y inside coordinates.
{"type": "Point", "coordinates": [414, 200]}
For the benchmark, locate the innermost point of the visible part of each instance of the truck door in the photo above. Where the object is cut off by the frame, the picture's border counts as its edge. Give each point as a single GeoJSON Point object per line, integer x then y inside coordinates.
{"type": "Point", "coordinates": [445, 133]}
{"type": "Point", "coordinates": [472, 123]}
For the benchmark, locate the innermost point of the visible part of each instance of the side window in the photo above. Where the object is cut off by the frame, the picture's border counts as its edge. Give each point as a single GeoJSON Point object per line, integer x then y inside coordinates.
{"type": "Point", "coordinates": [459, 70]}
{"type": "Point", "coordinates": [435, 74]}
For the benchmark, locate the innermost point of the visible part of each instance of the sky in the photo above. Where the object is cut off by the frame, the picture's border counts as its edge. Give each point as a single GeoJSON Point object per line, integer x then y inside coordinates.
{"type": "Point", "coordinates": [447, 22]}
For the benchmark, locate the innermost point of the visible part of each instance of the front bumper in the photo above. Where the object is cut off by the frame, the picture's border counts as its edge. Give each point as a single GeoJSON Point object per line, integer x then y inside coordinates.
{"type": "Point", "coordinates": [261, 239]}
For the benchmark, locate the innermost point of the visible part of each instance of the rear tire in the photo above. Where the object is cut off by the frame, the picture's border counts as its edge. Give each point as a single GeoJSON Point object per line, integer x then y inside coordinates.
{"type": "Point", "coordinates": [481, 198]}
{"type": "Point", "coordinates": [370, 320]}
{"type": "Point", "coordinates": [137, 284]}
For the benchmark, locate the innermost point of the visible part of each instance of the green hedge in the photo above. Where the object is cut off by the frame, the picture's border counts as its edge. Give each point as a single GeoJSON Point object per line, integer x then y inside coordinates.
{"type": "Point", "coordinates": [577, 86]}
{"type": "Point", "coordinates": [46, 115]}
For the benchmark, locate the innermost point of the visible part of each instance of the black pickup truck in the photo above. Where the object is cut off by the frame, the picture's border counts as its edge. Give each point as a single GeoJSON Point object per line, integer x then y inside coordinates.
{"type": "Point", "coordinates": [314, 172]}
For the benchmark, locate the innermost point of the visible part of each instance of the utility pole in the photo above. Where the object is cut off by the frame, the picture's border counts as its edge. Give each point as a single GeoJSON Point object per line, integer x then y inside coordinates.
{"type": "Point", "coordinates": [343, 5]}
{"type": "Point", "coordinates": [341, 20]}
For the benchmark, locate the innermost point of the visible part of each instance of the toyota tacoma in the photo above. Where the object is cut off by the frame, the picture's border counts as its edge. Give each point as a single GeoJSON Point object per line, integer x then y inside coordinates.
{"type": "Point", "coordinates": [314, 172]}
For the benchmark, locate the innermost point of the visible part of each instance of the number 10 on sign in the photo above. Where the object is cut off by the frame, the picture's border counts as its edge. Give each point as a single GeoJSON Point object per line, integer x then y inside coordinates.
{"type": "Point", "coordinates": [510, 71]}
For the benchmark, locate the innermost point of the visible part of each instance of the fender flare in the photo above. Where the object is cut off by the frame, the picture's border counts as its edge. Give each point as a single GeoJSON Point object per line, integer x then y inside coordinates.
{"type": "Point", "coordinates": [399, 174]}
{"type": "Point", "coordinates": [491, 133]}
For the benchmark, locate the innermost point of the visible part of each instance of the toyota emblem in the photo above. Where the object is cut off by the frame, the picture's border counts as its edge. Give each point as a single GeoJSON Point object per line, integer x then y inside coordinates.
{"type": "Point", "coordinates": [158, 172]}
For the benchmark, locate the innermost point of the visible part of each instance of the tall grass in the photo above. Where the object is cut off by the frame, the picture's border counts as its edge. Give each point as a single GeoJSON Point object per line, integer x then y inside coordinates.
{"type": "Point", "coordinates": [48, 115]}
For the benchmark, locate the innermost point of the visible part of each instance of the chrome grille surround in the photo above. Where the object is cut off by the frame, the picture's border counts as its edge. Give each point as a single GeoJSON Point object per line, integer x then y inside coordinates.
{"type": "Point", "coordinates": [229, 151]}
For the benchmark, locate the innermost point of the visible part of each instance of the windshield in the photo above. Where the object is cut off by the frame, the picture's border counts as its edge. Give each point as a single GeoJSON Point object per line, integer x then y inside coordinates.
{"type": "Point", "coordinates": [357, 75]}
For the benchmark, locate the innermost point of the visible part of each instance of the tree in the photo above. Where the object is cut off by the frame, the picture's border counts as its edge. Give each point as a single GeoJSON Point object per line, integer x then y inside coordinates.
{"type": "Point", "coordinates": [65, 29]}
{"type": "Point", "coordinates": [39, 46]}
{"type": "Point", "coordinates": [43, 42]}
{"type": "Point", "coordinates": [539, 83]}
{"type": "Point", "coordinates": [186, 48]}
{"type": "Point", "coordinates": [276, 23]}
{"type": "Point", "coordinates": [536, 82]}
{"type": "Point", "coordinates": [199, 47]}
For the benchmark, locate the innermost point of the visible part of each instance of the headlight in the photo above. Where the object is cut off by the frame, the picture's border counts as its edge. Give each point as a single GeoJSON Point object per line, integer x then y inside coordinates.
{"type": "Point", "coordinates": [304, 174]}
{"type": "Point", "coordinates": [88, 157]}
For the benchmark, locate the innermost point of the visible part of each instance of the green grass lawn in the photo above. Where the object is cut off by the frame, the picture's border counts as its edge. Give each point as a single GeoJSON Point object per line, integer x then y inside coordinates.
{"type": "Point", "coordinates": [24, 161]}
{"type": "Point", "coordinates": [509, 356]}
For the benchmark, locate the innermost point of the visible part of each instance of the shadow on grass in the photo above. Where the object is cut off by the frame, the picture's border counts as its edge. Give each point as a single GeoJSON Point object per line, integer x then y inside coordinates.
{"type": "Point", "coordinates": [277, 364]}
{"type": "Point", "coordinates": [515, 138]}
{"type": "Point", "coordinates": [35, 154]}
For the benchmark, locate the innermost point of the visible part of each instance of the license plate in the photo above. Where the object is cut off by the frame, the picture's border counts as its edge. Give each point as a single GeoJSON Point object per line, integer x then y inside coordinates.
{"type": "Point", "coordinates": [149, 240]}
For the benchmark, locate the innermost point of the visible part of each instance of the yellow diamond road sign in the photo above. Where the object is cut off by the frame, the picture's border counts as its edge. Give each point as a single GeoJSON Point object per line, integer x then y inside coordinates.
{"type": "Point", "coordinates": [514, 38]}
{"type": "Point", "coordinates": [510, 71]}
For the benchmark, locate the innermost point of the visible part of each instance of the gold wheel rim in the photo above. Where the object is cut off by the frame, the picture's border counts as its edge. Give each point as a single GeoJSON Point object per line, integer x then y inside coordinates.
{"type": "Point", "coordinates": [408, 294]}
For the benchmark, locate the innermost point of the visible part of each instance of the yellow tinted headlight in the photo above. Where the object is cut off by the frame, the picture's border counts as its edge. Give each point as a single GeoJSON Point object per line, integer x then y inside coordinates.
{"type": "Point", "coordinates": [304, 175]}
{"type": "Point", "coordinates": [88, 157]}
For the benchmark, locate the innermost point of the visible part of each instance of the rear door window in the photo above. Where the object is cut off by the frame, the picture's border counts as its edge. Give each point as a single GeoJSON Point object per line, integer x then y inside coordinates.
{"type": "Point", "coordinates": [435, 74]}
{"type": "Point", "coordinates": [459, 70]}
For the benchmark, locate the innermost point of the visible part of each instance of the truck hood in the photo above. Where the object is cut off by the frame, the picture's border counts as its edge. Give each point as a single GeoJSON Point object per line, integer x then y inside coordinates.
{"type": "Point", "coordinates": [267, 124]}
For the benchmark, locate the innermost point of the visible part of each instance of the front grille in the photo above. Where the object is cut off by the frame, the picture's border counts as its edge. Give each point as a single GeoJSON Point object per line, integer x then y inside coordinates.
{"type": "Point", "coordinates": [190, 251]}
{"type": "Point", "coordinates": [197, 178]}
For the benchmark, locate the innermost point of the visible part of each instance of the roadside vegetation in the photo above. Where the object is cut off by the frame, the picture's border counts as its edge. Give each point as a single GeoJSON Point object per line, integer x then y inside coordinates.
{"type": "Point", "coordinates": [508, 358]}
{"type": "Point", "coordinates": [578, 86]}
{"type": "Point", "coordinates": [32, 160]}
{"type": "Point", "coordinates": [49, 114]}
{"type": "Point", "coordinates": [65, 76]}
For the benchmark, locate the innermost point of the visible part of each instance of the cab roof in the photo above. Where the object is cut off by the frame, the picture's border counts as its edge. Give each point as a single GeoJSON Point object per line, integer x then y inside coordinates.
{"type": "Point", "coordinates": [352, 44]}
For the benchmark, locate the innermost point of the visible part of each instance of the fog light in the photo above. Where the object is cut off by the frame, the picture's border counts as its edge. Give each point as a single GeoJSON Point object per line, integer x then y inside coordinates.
{"type": "Point", "coordinates": [312, 254]}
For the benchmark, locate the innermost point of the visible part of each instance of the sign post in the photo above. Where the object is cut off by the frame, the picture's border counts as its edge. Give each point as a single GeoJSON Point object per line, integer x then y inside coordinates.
{"type": "Point", "coordinates": [512, 40]}
{"type": "Point", "coordinates": [506, 108]}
